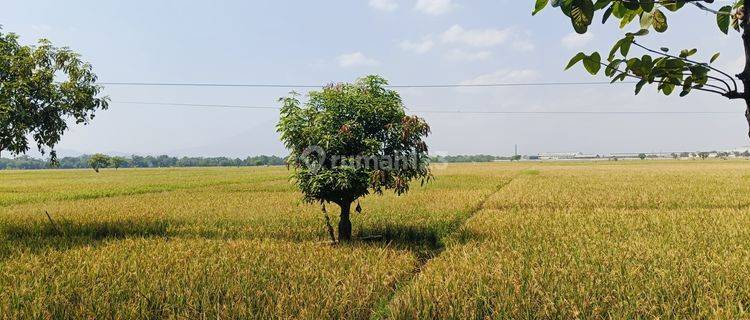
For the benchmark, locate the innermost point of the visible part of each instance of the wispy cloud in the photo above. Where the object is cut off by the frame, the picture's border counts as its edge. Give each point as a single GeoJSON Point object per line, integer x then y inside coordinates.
{"type": "Point", "coordinates": [356, 59]}
{"type": "Point", "coordinates": [434, 7]}
{"type": "Point", "coordinates": [418, 47]}
{"type": "Point", "coordinates": [384, 5]}
{"type": "Point", "coordinates": [574, 41]}
{"type": "Point", "coordinates": [476, 37]}
{"type": "Point", "coordinates": [522, 45]}
{"type": "Point", "coordinates": [462, 55]}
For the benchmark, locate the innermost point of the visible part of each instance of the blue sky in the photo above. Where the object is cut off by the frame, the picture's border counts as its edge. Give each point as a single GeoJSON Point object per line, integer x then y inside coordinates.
{"type": "Point", "coordinates": [408, 42]}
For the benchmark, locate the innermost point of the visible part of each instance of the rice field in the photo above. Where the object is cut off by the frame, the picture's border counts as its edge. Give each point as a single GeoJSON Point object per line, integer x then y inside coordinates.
{"type": "Point", "coordinates": [639, 239]}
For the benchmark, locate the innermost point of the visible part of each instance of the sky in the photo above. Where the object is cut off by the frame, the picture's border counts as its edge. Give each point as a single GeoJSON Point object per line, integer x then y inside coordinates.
{"type": "Point", "coordinates": [409, 42]}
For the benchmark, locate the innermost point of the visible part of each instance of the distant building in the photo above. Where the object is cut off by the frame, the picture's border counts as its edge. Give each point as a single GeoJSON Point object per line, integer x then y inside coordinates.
{"type": "Point", "coordinates": [622, 156]}
{"type": "Point", "coordinates": [557, 156]}
{"type": "Point", "coordinates": [568, 156]}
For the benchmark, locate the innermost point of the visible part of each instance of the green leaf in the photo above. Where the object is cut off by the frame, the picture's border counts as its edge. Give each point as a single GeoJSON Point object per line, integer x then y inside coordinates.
{"type": "Point", "coordinates": [619, 77]}
{"type": "Point", "coordinates": [540, 4]}
{"type": "Point", "coordinates": [667, 88]}
{"type": "Point", "coordinates": [565, 5]}
{"type": "Point", "coordinates": [578, 57]}
{"type": "Point", "coordinates": [722, 18]}
{"type": "Point", "coordinates": [581, 15]}
{"type": "Point", "coordinates": [601, 4]}
{"type": "Point", "coordinates": [639, 86]}
{"type": "Point", "coordinates": [614, 49]}
{"type": "Point", "coordinates": [646, 20]}
{"type": "Point", "coordinates": [618, 10]}
{"type": "Point", "coordinates": [625, 46]}
{"type": "Point", "coordinates": [665, 49]}
{"type": "Point", "coordinates": [606, 15]}
{"type": "Point", "coordinates": [659, 21]}
{"type": "Point", "coordinates": [687, 85]}
{"type": "Point", "coordinates": [641, 32]}
{"type": "Point", "coordinates": [631, 4]}
{"type": "Point", "coordinates": [715, 56]}
{"type": "Point", "coordinates": [686, 53]}
{"type": "Point", "coordinates": [627, 18]}
{"type": "Point", "coordinates": [592, 63]}
{"type": "Point", "coordinates": [673, 5]}
{"type": "Point", "coordinates": [612, 67]}
{"type": "Point", "coordinates": [647, 6]}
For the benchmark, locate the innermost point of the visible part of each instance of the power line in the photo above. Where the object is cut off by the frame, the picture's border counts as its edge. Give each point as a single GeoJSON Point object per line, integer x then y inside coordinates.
{"type": "Point", "coordinates": [196, 105]}
{"type": "Point", "coordinates": [434, 111]}
{"type": "Point", "coordinates": [266, 85]}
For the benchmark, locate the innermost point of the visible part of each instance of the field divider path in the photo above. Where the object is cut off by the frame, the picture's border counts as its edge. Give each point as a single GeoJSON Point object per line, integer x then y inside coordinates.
{"type": "Point", "coordinates": [381, 312]}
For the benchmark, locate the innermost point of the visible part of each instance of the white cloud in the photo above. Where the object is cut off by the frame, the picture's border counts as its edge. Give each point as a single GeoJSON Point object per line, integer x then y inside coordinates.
{"type": "Point", "coordinates": [476, 37]}
{"type": "Point", "coordinates": [458, 54]}
{"type": "Point", "coordinates": [418, 47]}
{"type": "Point", "coordinates": [504, 76]}
{"type": "Point", "coordinates": [384, 5]}
{"type": "Point", "coordinates": [434, 7]}
{"type": "Point", "coordinates": [573, 40]}
{"type": "Point", "coordinates": [523, 45]}
{"type": "Point", "coordinates": [471, 44]}
{"type": "Point", "coordinates": [355, 59]}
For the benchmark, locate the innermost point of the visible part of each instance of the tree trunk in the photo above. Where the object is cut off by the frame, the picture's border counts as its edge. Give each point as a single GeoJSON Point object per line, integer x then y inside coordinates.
{"type": "Point", "coordinates": [345, 225]}
{"type": "Point", "coordinates": [745, 75]}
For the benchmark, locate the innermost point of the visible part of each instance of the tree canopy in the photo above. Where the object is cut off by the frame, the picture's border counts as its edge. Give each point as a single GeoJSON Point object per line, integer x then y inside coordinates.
{"type": "Point", "coordinates": [351, 139]}
{"type": "Point", "coordinates": [669, 70]}
{"type": "Point", "coordinates": [116, 162]}
{"type": "Point", "coordinates": [98, 161]}
{"type": "Point", "coordinates": [41, 87]}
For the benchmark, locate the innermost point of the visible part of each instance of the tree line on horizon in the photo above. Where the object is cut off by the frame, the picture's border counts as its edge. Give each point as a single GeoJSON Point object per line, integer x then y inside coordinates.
{"type": "Point", "coordinates": [165, 161]}
{"type": "Point", "coordinates": [135, 161]}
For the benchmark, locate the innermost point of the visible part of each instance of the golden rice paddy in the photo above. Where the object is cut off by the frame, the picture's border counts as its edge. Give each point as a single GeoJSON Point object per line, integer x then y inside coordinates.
{"type": "Point", "coordinates": [649, 239]}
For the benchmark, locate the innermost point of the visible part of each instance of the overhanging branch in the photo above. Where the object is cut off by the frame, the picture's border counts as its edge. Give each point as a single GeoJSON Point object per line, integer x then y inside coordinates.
{"type": "Point", "coordinates": [696, 3]}
{"type": "Point", "coordinates": [734, 83]}
{"type": "Point", "coordinates": [716, 12]}
{"type": "Point", "coordinates": [729, 94]}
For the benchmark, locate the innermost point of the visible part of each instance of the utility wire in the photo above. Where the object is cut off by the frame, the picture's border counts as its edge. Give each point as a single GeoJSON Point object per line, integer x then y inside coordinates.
{"type": "Point", "coordinates": [434, 111]}
{"type": "Point", "coordinates": [292, 86]}
{"type": "Point", "coordinates": [261, 85]}
{"type": "Point", "coordinates": [196, 105]}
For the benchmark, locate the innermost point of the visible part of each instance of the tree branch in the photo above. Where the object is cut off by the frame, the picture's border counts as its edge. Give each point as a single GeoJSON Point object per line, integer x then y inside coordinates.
{"type": "Point", "coordinates": [663, 2]}
{"type": "Point", "coordinates": [734, 83]}
{"type": "Point", "coordinates": [734, 95]}
{"type": "Point", "coordinates": [730, 94]}
{"type": "Point", "coordinates": [716, 12]}
{"type": "Point", "coordinates": [720, 80]}
{"type": "Point", "coordinates": [715, 79]}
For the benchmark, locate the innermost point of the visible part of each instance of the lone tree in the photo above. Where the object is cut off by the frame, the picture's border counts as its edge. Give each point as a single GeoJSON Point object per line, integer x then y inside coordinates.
{"type": "Point", "coordinates": [116, 162]}
{"type": "Point", "coordinates": [41, 87]}
{"type": "Point", "coordinates": [98, 161]}
{"type": "Point", "coordinates": [350, 140]}
{"type": "Point", "coordinates": [658, 66]}
{"type": "Point", "coordinates": [642, 156]}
